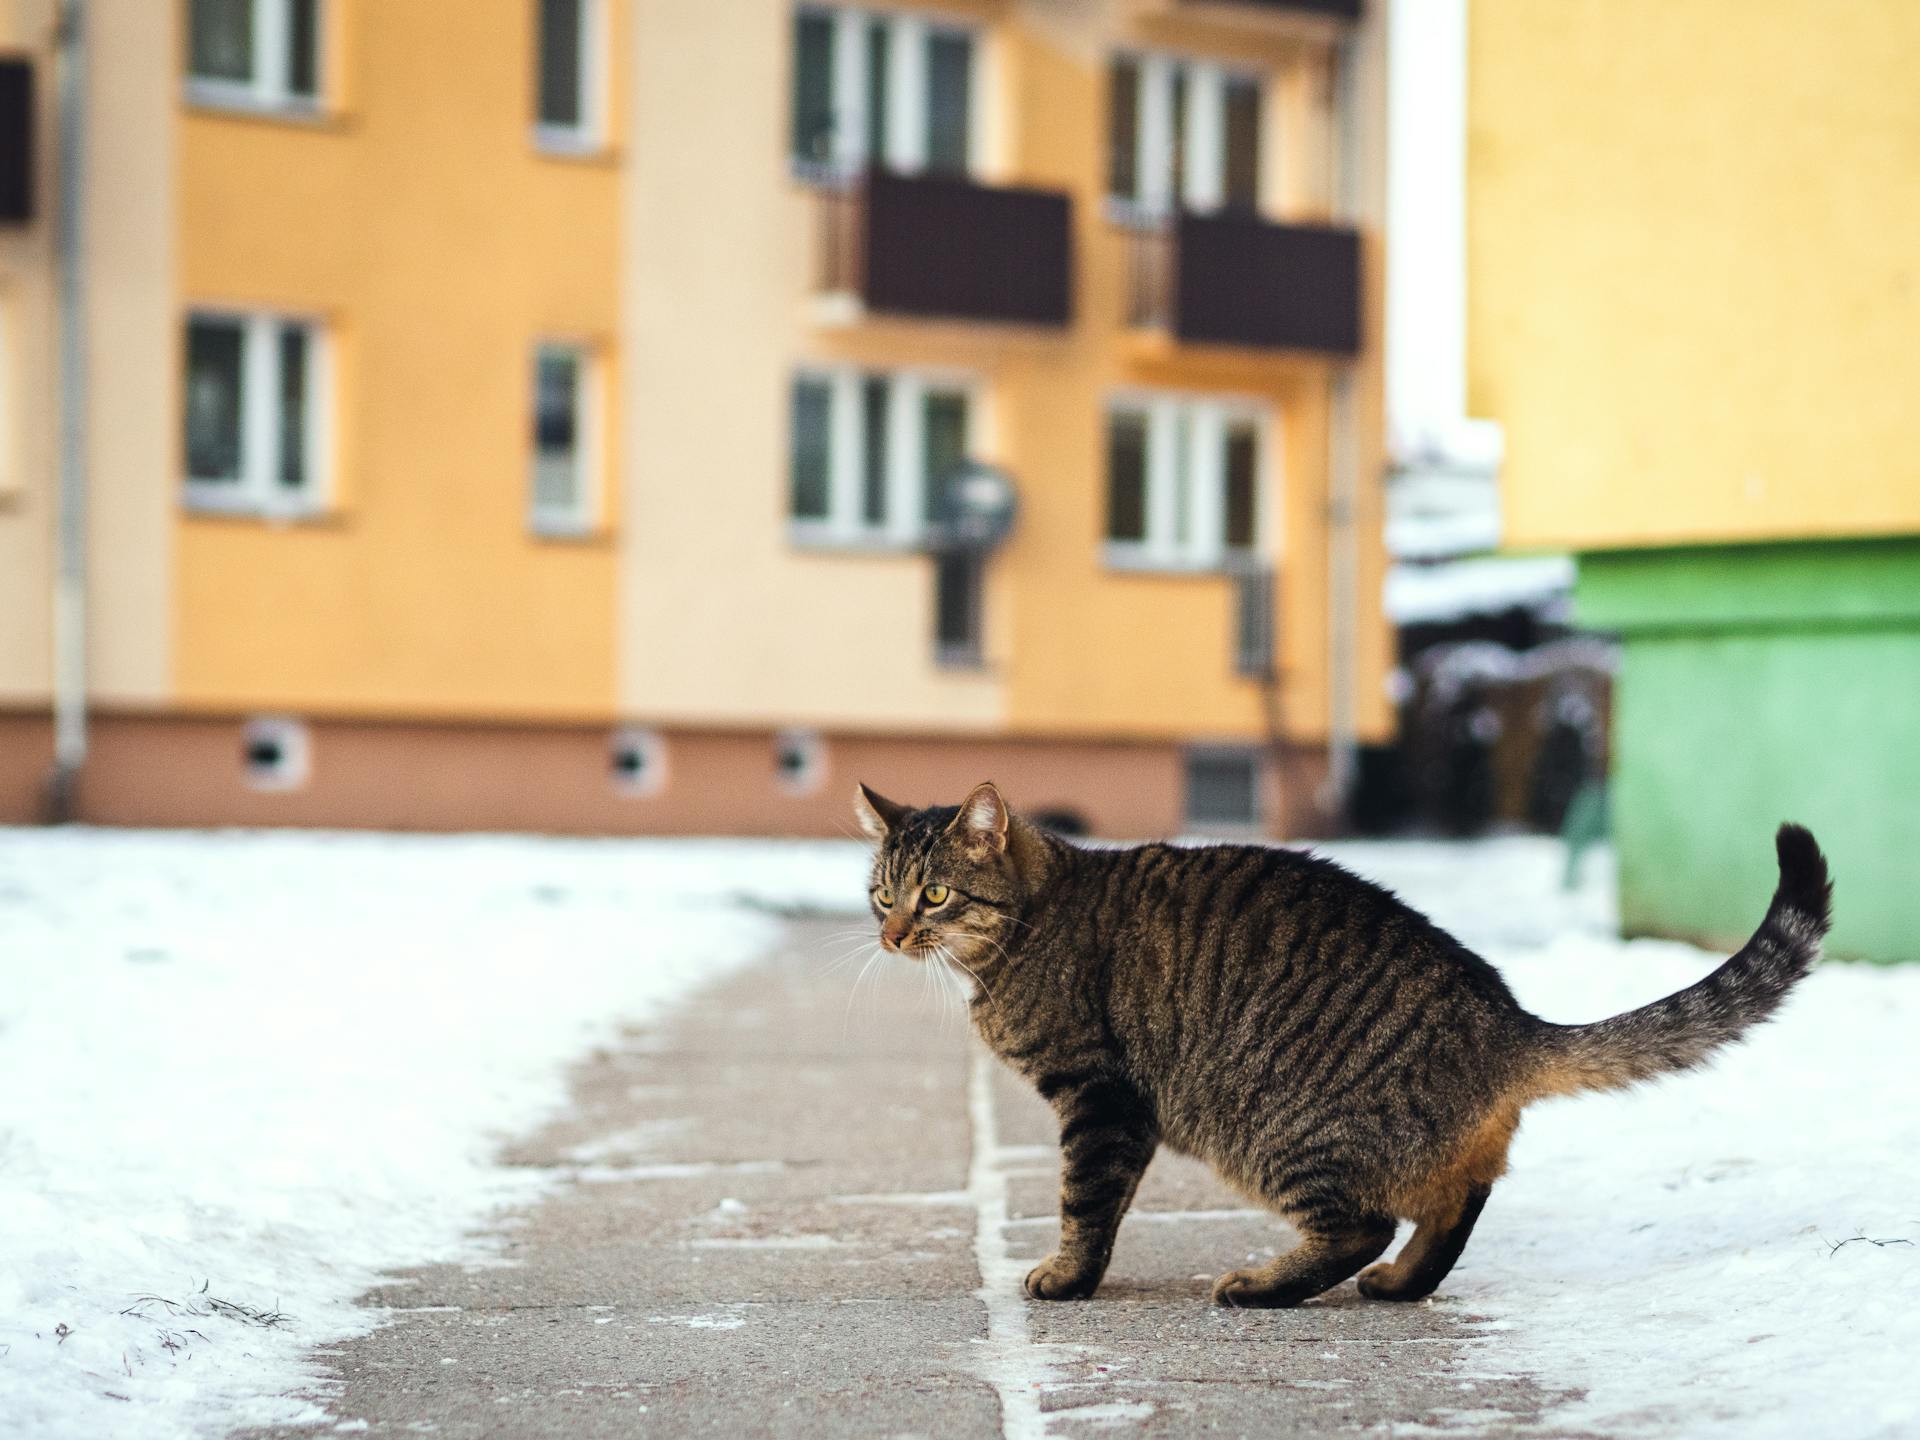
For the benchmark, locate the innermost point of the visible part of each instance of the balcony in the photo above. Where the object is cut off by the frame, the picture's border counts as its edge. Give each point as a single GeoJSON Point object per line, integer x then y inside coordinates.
{"type": "Point", "coordinates": [1218, 280]}
{"type": "Point", "coordinates": [941, 248]}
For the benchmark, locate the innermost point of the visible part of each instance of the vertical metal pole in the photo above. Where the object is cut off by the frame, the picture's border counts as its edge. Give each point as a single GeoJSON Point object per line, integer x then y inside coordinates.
{"type": "Point", "coordinates": [70, 582]}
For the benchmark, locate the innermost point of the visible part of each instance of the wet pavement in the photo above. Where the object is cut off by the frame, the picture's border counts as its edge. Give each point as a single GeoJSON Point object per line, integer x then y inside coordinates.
{"type": "Point", "coordinates": [789, 1212]}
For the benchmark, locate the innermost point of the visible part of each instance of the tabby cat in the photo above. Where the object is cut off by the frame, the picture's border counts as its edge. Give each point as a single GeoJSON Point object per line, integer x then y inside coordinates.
{"type": "Point", "coordinates": [1333, 1053]}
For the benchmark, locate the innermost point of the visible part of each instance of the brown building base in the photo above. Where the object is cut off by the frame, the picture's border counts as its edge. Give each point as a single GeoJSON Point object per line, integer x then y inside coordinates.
{"type": "Point", "coordinates": [170, 770]}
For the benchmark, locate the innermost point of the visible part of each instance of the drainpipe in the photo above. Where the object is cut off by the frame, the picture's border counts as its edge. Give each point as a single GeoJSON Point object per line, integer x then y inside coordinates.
{"type": "Point", "coordinates": [70, 576]}
{"type": "Point", "coordinates": [1355, 90]}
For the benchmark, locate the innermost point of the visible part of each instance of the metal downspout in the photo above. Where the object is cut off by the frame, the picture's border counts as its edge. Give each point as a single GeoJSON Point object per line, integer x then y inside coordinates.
{"type": "Point", "coordinates": [70, 576]}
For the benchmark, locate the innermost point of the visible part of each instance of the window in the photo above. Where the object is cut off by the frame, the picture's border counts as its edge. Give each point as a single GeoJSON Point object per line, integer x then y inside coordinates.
{"type": "Point", "coordinates": [1183, 134]}
{"type": "Point", "coordinates": [256, 54]}
{"type": "Point", "coordinates": [893, 90]}
{"type": "Point", "coordinates": [868, 450]}
{"type": "Point", "coordinates": [566, 445]}
{"type": "Point", "coordinates": [255, 400]}
{"type": "Point", "coordinates": [958, 606]}
{"type": "Point", "coordinates": [1183, 482]}
{"type": "Point", "coordinates": [571, 75]}
{"type": "Point", "coordinates": [1223, 788]}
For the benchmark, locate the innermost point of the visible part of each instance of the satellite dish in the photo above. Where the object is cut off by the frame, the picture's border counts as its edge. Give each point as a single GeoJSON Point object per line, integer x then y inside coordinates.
{"type": "Point", "coordinates": [974, 508]}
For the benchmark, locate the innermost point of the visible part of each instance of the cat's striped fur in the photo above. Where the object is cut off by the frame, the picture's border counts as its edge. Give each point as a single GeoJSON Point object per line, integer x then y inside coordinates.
{"type": "Point", "coordinates": [1330, 1051]}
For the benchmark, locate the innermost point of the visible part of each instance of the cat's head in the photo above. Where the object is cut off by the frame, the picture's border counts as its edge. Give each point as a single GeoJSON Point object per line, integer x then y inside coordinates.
{"type": "Point", "coordinates": [943, 878]}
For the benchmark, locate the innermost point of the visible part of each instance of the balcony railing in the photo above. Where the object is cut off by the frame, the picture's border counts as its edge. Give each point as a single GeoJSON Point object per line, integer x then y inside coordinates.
{"type": "Point", "coordinates": [945, 248]}
{"type": "Point", "coordinates": [1219, 280]}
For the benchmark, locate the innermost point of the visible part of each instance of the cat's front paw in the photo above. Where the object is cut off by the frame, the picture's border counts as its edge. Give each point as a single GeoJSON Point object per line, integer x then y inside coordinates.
{"type": "Point", "coordinates": [1057, 1278]}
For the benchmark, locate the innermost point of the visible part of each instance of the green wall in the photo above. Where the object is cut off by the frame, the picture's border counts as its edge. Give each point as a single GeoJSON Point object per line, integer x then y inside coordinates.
{"type": "Point", "coordinates": [1761, 684]}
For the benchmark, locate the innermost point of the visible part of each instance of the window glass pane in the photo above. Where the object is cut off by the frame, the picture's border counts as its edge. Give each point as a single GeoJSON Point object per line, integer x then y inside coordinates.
{"type": "Point", "coordinates": [1126, 476]}
{"type": "Point", "coordinates": [1176, 161]}
{"type": "Point", "coordinates": [295, 406]}
{"type": "Point", "coordinates": [220, 39]}
{"type": "Point", "coordinates": [946, 439]}
{"type": "Point", "coordinates": [957, 609]}
{"type": "Point", "coordinates": [949, 101]}
{"type": "Point", "coordinates": [1242, 471]}
{"type": "Point", "coordinates": [215, 370]}
{"type": "Point", "coordinates": [879, 84]}
{"type": "Point", "coordinates": [1123, 130]}
{"type": "Point", "coordinates": [810, 470]}
{"type": "Point", "coordinates": [556, 431]}
{"type": "Point", "coordinates": [303, 47]}
{"type": "Point", "coordinates": [560, 29]}
{"type": "Point", "coordinates": [1242, 190]}
{"type": "Point", "coordinates": [874, 394]}
{"type": "Point", "coordinates": [813, 87]}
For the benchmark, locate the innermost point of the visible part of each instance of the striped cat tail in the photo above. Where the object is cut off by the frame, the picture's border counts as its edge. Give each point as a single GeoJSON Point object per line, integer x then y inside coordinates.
{"type": "Point", "coordinates": [1683, 1030]}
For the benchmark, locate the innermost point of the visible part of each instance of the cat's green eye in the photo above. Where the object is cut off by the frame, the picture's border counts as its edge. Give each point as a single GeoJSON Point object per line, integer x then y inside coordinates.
{"type": "Point", "coordinates": [883, 897]}
{"type": "Point", "coordinates": [936, 895]}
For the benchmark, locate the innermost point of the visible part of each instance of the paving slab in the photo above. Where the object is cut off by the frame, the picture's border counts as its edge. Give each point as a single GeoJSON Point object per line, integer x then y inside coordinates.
{"type": "Point", "coordinates": [792, 1211]}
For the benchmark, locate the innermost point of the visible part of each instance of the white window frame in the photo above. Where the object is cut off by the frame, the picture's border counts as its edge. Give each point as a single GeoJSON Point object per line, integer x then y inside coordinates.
{"type": "Point", "coordinates": [590, 135]}
{"type": "Point", "coordinates": [589, 457]}
{"type": "Point", "coordinates": [257, 490]}
{"type": "Point", "coordinates": [905, 525]}
{"type": "Point", "coordinates": [267, 90]}
{"type": "Point", "coordinates": [1204, 141]}
{"type": "Point", "coordinates": [904, 131]}
{"type": "Point", "coordinates": [1186, 466]}
{"type": "Point", "coordinates": [9, 402]}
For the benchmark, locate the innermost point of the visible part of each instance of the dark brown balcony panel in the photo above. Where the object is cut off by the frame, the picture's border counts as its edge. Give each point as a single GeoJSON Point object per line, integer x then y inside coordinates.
{"type": "Point", "coordinates": [16, 140]}
{"type": "Point", "coordinates": [950, 249]}
{"type": "Point", "coordinates": [1275, 287]}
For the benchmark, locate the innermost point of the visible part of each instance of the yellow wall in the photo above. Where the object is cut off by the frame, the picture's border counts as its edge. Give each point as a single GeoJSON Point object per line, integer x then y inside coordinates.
{"type": "Point", "coordinates": [720, 311]}
{"type": "Point", "coordinates": [1693, 277]}
{"type": "Point", "coordinates": [440, 245]}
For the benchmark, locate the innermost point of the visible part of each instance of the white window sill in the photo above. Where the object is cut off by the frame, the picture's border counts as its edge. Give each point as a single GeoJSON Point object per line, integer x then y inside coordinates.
{"type": "Point", "coordinates": [244, 100]}
{"type": "Point", "coordinates": [808, 535]}
{"type": "Point", "coordinates": [218, 499]}
{"type": "Point", "coordinates": [1134, 560]}
{"type": "Point", "coordinates": [566, 143]}
{"type": "Point", "coordinates": [563, 527]}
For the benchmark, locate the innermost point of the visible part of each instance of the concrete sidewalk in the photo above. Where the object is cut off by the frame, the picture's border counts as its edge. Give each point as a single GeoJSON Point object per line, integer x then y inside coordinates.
{"type": "Point", "coordinates": [789, 1217]}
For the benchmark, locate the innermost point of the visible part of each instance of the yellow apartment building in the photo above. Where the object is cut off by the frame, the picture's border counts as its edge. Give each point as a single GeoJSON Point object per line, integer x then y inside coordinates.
{"type": "Point", "coordinates": [553, 419]}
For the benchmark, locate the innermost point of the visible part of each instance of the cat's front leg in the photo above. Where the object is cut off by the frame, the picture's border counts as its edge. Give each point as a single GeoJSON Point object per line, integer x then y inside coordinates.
{"type": "Point", "coordinates": [1107, 1138]}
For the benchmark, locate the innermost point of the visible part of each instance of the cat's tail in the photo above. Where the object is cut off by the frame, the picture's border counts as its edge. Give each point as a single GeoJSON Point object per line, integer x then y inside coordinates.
{"type": "Point", "coordinates": [1684, 1029]}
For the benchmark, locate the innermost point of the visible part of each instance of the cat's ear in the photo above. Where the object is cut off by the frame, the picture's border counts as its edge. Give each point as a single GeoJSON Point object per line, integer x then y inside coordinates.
{"type": "Point", "coordinates": [983, 820]}
{"type": "Point", "coordinates": [877, 815]}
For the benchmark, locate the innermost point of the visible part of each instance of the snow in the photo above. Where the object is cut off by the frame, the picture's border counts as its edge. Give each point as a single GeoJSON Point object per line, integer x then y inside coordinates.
{"type": "Point", "coordinates": [1669, 1252]}
{"type": "Point", "coordinates": [279, 1066]}
{"type": "Point", "coordinates": [1485, 585]}
{"type": "Point", "coordinates": [266, 1069]}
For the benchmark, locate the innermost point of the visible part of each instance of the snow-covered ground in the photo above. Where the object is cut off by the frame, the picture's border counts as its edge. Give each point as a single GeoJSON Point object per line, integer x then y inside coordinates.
{"type": "Point", "coordinates": [1734, 1252]}
{"type": "Point", "coordinates": [264, 1069]}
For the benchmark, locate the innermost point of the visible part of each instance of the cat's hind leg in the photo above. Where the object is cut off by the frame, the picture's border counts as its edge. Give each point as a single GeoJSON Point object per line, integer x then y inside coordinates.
{"type": "Point", "coordinates": [1332, 1250]}
{"type": "Point", "coordinates": [1444, 1208]}
{"type": "Point", "coordinates": [1423, 1262]}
